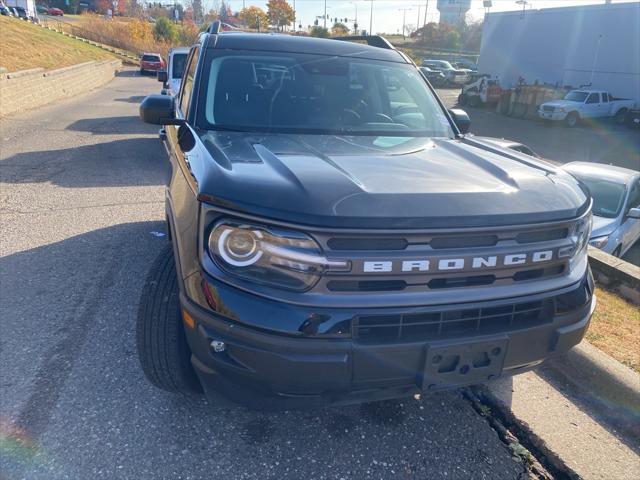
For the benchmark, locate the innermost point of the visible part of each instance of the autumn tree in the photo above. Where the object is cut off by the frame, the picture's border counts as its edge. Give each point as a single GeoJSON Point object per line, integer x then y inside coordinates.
{"type": "Point", "coordinates": [164, 30]}
{"type": "Point", "coordinates": [254, 17]}
{"type": "Point", "coordinates": [280, 13]}
{"type": "Point", "coordinates": [198, 10]}
{"type": "Point", "coordinates": [317, 31]}
{"type": "Point", "coordinates": [339, 29]}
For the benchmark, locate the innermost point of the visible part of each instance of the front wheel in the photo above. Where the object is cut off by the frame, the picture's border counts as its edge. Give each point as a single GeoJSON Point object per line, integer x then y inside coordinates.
{"type": "Point", "coordinates": [621, 116]}
{"type": "Point", "coordinates": [162, 347]}
{"type": "Point", "coordinates": [462, 99]}
{"type": "Point", "coordinates": [571, 120]}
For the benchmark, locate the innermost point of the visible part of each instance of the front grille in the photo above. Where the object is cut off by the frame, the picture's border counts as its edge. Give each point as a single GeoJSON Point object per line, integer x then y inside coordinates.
{"type": "Point", "coordinates": [361, 249]}
{"type": "Point", "coordinates": [548, 108]}
{"type": "Point", "coordinates": [451, 323]}
{"type": "Point", "coordinates": [440, 323]}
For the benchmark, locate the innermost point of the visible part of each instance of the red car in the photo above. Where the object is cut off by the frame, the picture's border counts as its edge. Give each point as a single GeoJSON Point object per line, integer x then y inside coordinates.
{"type": "Point", "coordinates": [151, 62]}
{"type": "Point", "coordinates": [56, 12]}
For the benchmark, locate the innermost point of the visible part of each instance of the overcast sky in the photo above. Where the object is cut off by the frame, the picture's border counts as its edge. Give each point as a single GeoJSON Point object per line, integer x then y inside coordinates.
{"type": "Point", "coordinates": [386, 14]}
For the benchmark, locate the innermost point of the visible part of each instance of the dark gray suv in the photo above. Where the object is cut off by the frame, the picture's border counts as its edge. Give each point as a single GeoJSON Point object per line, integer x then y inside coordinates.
{"type": "Point", "coordinates": [336, 238]}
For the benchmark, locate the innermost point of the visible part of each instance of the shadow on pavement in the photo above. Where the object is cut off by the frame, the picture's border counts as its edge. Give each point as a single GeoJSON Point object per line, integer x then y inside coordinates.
{"type": "Point", "coordinates": [87, 393]}
{"type": "Point", "coordinates": [129, 72]}
{"type": "Point", "coordinates": [138, 161]}
{"type": "Point", "coordinates": [132, 99]}
{"type": "Point", "coordinates": [126, 125]}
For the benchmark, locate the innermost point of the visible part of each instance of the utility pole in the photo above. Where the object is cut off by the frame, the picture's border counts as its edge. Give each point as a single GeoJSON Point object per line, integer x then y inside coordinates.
{"type": "Point", "coordinates": [325, 13]}
{"type": "Point", "coordinates": [426, 9]}
{"type": "Point", "coordinates": [355, 25]}
{"type": "Point", "coordinates": [371, 20]}
{"type": "Point", "coordinates": [294, 15]}
{"type": "Point", "coordinates": [418, 22]}
{"type": "Point", "coordinates": [404, 19]}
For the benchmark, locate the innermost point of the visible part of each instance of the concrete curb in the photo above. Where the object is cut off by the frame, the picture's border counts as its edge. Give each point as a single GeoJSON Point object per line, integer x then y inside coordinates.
{"type": "Point", "coordinates": [592, 370]}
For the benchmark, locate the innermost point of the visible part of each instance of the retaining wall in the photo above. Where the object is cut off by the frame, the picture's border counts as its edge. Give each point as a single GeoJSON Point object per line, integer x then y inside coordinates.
{"type": "Point", "coordinates": [27, 89]}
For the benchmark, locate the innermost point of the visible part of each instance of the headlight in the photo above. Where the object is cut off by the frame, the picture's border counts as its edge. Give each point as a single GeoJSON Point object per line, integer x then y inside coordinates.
{"type": "Point", "coordinates": [599, 242]}
{"type": "Point", "coordinates": [560, 109]}
{"type": "Point", "coordinates": [270, 256]}
{"type": "Point", "coordinates": [579, 235]}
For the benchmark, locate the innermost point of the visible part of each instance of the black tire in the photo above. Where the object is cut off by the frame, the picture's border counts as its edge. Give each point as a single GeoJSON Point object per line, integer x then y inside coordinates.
{"type": "Point", "coordinates": [572, 119]}
{"type": "Point", "coordinates": [621, 116]}
{"type": "Point", "coordinates": [617, 251]}
{"type": "Point", "coordinates": [474, 101]}
{"type": "Point", "coordinates": [163, 351]}
{"type": "Point", "coordinates": [462, 99]}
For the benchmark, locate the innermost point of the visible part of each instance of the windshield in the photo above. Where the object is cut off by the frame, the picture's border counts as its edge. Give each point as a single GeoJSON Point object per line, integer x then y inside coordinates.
{"type": "Point", "coordinates": [607, 196]}
{"type": "Point", "coordinates": [302, 93]}
{"type": "Point", "coordinates": [177, 67]}
{"type": "Point", "coordinates": [576, 96]}
{"type": "Point", "coordinates": [150, 58]}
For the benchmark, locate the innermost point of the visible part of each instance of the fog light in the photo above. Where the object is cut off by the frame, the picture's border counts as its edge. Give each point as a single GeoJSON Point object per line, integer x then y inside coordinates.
{"type": "Point", "coordinates": [218, 346]}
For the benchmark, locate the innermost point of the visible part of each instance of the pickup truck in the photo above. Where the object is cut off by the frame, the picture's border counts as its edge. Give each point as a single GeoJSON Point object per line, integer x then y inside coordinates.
{"type": "Point", "coordinates": [172, 76]}
{"type": "Point", "coordinates": [335, 237]}
{"type": "Point", "coordinates": [582, 104]}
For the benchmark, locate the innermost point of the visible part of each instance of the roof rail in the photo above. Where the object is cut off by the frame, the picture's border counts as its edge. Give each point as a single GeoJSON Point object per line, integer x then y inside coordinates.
{"type": "Point", "coordinates": [372, 40]}
{"type": "Point", "coordinates": [215, 27]}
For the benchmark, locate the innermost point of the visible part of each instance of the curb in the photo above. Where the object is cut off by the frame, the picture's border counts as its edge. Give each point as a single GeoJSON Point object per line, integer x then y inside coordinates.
{"type": "Point", "coordinates": [591, 370]}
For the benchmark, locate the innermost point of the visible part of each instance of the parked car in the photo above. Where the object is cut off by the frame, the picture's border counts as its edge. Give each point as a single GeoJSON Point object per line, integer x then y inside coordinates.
{"type": "Point", "coordinates": [581, 104]}
{"type": "Point", "coordinates": [436, 77]}
{"type": "Point", "coordinates": [4, 10]}
{"type": "Point", "coordinates": [56, 12]}
{"type": "Point", "coordinates": [329, 249]}
{"type": "Point", "coordinates": [510, 144]}
{"type": "Point", "coordinates": [483, 90]}
{"type": "Point", "coordinates": [616, 204]}
{"type": "Point", "coordinates": [21, 13]}
{"type": "Point", "coordinates": [453, 75]}
{"type": "Point", "coordinates": [633, 118]}
{"type": "Point", "coordinates": [151, 62]}
{"type": "Point", "coordinates": [172, 76]}
{"type": "Point", "coordinates": [464, 63]}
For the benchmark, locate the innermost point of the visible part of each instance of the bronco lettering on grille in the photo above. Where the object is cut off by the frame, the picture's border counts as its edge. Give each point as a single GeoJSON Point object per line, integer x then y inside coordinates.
{"type": "Point", "coordinates": [457, 264]}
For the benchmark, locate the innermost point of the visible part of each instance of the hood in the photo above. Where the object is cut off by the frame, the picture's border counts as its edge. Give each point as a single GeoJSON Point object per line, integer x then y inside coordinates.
{"type": "Point", "coordinates": [561, 103]}
{"type": "Point", "coordinates": [379, 182]}
{"type": "Point", "coordinates": [603, 226]}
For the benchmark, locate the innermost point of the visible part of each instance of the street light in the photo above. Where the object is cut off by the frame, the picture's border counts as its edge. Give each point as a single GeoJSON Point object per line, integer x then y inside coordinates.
{"type": "Point", "coordinates": [404, 19]}
{"type": "Point", "coordinates": [524, 4]}
{"type": "Point", "coordinates": [371, 20]}
{"type": "Point", "coordinates": [355, 26]}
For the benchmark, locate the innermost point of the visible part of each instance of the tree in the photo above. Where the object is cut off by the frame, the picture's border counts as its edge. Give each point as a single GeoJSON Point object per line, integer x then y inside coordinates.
{"type": "Point", "coordinates": [164, 30]}
{"type": "Point", "coordinates": [198, 11]}
{"type": "Point", "coordinates": [254, 17]}
{"type": "Point", "coordinates": [317, 31]}
{"type": "Point", "coordinates": [280, 13]}
{"type": "Point", "coordinates": [339, 29]}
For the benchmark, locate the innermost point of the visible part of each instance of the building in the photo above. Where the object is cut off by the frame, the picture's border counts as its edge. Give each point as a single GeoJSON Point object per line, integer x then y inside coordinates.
{"type": "Point", "coordinates": [453, 12]}
{"type": "Point", "coordinates": [566, 46]}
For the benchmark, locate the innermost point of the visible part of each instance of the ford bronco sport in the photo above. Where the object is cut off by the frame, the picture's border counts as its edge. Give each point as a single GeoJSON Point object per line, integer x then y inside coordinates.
{"type": "Point", "coordinates": [336, 238]}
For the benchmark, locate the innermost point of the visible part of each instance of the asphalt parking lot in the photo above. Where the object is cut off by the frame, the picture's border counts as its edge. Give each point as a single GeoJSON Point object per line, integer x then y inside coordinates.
{"type": "Point", "coordinates": [81, 206]}
{"type": "Point", "coordinates": [603, 143]}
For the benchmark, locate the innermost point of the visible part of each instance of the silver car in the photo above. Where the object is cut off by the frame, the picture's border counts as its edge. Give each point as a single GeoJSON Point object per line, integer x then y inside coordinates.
{"type": "Point", "coordinates": [616, 204]}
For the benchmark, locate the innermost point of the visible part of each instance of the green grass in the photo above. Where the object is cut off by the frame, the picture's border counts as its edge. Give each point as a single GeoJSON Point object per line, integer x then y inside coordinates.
{"type": "Point", "coordinates": [24, 45]}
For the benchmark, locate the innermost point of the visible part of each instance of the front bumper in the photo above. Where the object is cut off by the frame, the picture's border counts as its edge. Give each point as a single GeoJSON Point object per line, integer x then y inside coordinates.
{"type": "Point", "coordinates": [262, 369]}
{"type": "Point", "coordinates": [553, 116]}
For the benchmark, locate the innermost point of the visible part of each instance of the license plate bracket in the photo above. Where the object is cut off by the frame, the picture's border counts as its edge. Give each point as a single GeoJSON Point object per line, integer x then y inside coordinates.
{"type": "Point", "coordinates": [463, 363]}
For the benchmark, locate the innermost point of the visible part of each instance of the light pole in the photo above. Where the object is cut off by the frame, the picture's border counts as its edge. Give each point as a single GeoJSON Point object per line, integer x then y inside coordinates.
{"type": "Point", "coordinates": [355, 26]}
{"type": "Point", "coordinates": [294, 16]}
{"type": "Point", "coordinates": [426, 9]}
{"type": "Point", "coordinates": [371, 20]}
{"type": "Point", "coordinates": [325, 13]}
{"type": "Point", "coordinates": [524, 4]}
{"type": "Point", "coordinates": [418, 22]}
{"type": "Point", "coordinates": [595, 59]}
{"type": "Point", "coordinates": [404, 19]}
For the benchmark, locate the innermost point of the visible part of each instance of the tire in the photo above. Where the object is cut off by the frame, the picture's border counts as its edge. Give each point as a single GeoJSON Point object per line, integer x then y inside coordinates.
{"type": "Point", "coordinates": [162, 347]}
{"type": "Point", "coordinates": [616, 253]}
{"type": "Point", "coordinates": [572, 119]}
{"type": "Point", "coordinates": [474, 101]}
{"type": "Point", "coordinates": [621, 116]}
{"type": "Point", "coordinates": [462, 99]}
{"type": "Point", "coordinates": [141, 72]}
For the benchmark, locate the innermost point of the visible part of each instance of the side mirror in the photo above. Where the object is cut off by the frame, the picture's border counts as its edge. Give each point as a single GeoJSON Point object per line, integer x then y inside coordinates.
{"type": "Point", "coordinates": [461, 119]}
{"type": "Point", "coordinates": [162, 76]}
{"type": "Point", "coordinates": [159, 110]}
{"type": "Point", "coordinates": [634, 213]}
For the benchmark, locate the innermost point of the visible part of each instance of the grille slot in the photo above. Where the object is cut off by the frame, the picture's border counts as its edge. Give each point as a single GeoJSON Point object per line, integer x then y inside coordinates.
{"type": "Point", "coordinates": [451, 323]}
{"type": "Point", "coordinates": [367, 243]}
{"type": "Point", "coordinates": [542, 235]}
{"type": "Point", "coordinates": [464, 241]}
